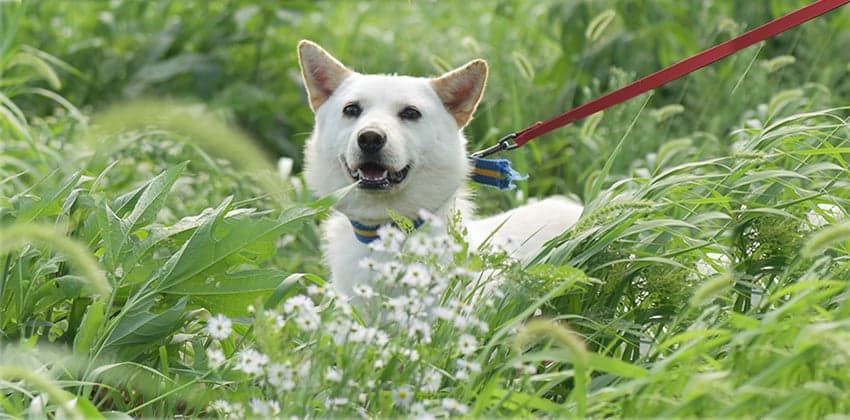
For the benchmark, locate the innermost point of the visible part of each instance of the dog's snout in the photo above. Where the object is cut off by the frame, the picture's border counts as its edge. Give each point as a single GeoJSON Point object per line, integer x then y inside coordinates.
{"type": "Point", "coordinates": [371, 141]}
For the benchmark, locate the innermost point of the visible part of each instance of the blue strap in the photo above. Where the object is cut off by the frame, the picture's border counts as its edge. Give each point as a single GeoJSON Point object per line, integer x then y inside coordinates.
{"type": "Point", "coordinates": [495, 173]}
{"type": "Point", "coordinates": [368, 233]}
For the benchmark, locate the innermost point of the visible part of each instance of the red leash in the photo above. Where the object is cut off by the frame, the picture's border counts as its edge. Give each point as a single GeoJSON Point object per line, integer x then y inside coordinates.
{"type": "Point", "coordinates": [665, 75]}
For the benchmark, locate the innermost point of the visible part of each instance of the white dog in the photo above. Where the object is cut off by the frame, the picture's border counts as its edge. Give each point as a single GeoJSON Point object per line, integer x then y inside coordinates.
{"type": "Point", "coordinates": [399, 139]}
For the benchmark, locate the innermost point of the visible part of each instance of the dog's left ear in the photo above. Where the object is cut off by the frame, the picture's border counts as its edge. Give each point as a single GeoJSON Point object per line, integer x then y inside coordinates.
{"type": "Point", "coordinates": [322, 73]}
{"type": "Point", "coordinates": [461, 90]}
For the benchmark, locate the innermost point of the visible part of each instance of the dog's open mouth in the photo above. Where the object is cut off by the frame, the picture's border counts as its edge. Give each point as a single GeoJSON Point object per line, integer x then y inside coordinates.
{"type": "Point", "coordinates": [374, 176]}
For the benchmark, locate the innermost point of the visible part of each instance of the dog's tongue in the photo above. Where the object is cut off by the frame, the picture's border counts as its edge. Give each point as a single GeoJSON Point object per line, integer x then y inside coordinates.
{"type": "Point", "coordinates": [372, 172]}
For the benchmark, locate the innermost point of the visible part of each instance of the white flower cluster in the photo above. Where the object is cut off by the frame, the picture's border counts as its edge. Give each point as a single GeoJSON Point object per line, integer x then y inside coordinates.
{"type": "Point", "coordinates": [424, 338]}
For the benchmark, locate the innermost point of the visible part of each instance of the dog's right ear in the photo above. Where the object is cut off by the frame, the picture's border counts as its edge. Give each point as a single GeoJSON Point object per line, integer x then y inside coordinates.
{"type": "Point", "coordinates": [322, 73]}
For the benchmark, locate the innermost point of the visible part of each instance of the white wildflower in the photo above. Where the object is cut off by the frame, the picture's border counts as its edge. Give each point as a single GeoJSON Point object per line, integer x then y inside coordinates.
{"type": "Point", "coordinates": [446, 314]}
{"type": "Point", "coordinates": [410, 354]}
{"type": "Point", "coordinates": [279, 321]}
{"type": "Point", "coordinates": [251, 361]}
{"type": "Point", "coordinates": [333, 374]}
{"type": "Point", "coordinates": [334, 403]}
{"type": "Point", "coordinates": [280, 376]}
{"type": "Point", "coordinates": [432, 381]}
{"type": "Point", "coordinates": [377, 246]}
{"type": "Point", "coordinates": [228, 409]}
{"type": "Point", "coordinates": [221, 406]}
{"type": "Point", "coordinates": [417, 275]}
{"type": "Point", "coordinates": [424, 416]}
{"type": "Point", "coordinates": [392, 270]}
{"type": "Point", "coordinates": [420, 330]}
{"type": "Point", "coordinates": [452, 404]}
{"type": "Point", "coordinates": [305, 311]}
{"type": "Point", "coordinates": [525, 368]}
{"type": "Point", "coordinates": [361, 334]}
{"type": "Point", "coordinates": [482, 326]}
{"type": "Point", "coordinates": [462, 321]}
{"type": "Point", "coordinates": [369, 264]}
{"type": "Point", "coordinates": [467, 344]}
{"type": "Point", "coordinates": [364, 291]}
{"type": "Point", "coordinates": [391, 238]}
{"type": "Point", "coordinates": [429, 218]}
{"type": "Point", "coordinates": [338, 330]}
{"type": "Point", "coordinates": [215, 358]}
{"type": "Point", "coordinates": [263, 408]}
{"type": "Point", "coordinates": [400, 306]}
{"type": "Point", "coordinates": [219, 327]}
{"type": "Point", "coordinates": [308, 321]}
{"type": "Point", "coordinates": [298, 303]}
{"type": "Point", "coordinates": [473, 367]}
{"type": "Point", "coordinates": [446, 244]}
{"type": "Point", "coordinates": [304, 369]}
{"type": "Point", "coordinates": [381, 338]}
{"type": "Point", "coordinates": [464, 368]}
{"type": "Point", "coordinates": [402, 396]}
{"type": "Point", "coordinates": [314, 290]}
{"type": "Point", "coordinates": [421, 245]}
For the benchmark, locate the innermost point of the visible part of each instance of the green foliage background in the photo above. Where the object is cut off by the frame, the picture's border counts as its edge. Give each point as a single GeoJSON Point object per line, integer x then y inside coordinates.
{"type": "Point", "coordinates": [714, 244]}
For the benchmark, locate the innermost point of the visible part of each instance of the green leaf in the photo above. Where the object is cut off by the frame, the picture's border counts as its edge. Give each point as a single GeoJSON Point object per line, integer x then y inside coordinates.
{"type": "Point", "coordinates": [149, 200]}
{"type": "Point", "coordinates": [229, 283]}
{"type": "Point", "coordinates": [521, 399]}
{"type": "Point", "coordinates": [157, 234]}
{"type": "Point", "coordinates": [287, 288]}
{"type": "Point", "coordinates": [88, 328]}
{"type": "Point", "coordinates": [141, 326]}
{"type": "Point", "coordinates": [231, 293]}
{"type": "Point", "coordinates": [617, 367]}
{"type": "Point", "coordinates": [86, 408]}
{"type": "Point", "coordinates": [221, 237]}
{"type": "Point", "coordinates": [153, 196]}
{"type": "Point", "coordinates": [48, 203]}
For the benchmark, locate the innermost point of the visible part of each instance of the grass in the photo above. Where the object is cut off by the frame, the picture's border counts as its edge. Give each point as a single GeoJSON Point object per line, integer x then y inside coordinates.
{"type": "Point", "coordinates": [707, 276]}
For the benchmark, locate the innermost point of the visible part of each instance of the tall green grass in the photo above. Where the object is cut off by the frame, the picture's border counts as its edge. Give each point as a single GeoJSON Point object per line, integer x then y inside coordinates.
{"type": "Point", "coordinates": [143, 274]}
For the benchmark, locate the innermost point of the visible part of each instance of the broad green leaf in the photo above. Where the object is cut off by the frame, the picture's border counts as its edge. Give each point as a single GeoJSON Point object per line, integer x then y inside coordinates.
{"type": "Point", "coordinates": [158, 234]}
{"type": "Point", "coordinates": [49, 202]}
{"type": "Point", "coordinates": [141, 326]}
{"type": "Point", "coordinates": [220, 237]}
{"type": "Point", "coordinates": [224, 283]}
{"type": "Point", "coordinates": [150, 200]}
{"type": "Point", "coordinates": [230, 293]}
{"type": "Point", "coordinates": [151, 196]}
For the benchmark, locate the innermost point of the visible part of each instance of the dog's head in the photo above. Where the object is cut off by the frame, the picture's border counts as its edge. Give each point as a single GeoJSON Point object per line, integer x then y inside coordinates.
{"type": "Point", "coordinates": [397, 137]}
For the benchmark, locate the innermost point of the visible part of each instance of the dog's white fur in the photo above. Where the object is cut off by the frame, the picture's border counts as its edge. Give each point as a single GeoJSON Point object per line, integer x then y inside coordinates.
{"type": "Point", "coordinates": [432, 145]}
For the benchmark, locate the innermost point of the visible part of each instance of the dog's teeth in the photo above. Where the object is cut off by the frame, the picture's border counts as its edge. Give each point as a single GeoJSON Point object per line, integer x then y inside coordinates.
{"type": "Point", "coordinates": [372, 175]}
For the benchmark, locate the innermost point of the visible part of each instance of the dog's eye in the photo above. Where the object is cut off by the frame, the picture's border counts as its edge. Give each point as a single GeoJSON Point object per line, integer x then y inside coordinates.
{"type": "Point", "coordinates": [352, 110]}
{"type": "Point", "coordinates": [410, 113]}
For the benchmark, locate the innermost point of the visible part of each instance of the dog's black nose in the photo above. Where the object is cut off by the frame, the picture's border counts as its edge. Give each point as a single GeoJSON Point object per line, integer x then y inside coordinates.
{"type": "Point", "coordinates": [370, 141]}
